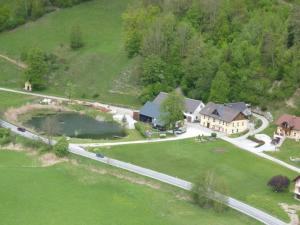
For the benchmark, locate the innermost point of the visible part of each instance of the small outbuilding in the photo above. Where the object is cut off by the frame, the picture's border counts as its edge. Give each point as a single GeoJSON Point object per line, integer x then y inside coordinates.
{"type": "Point", "coordinates": [27, 86]}
{"type": "Point", "coordinates": [297, 187]}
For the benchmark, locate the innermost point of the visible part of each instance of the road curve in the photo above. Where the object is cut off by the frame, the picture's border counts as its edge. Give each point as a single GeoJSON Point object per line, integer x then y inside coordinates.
{"type": "Point", "coordinates": [231, 202]}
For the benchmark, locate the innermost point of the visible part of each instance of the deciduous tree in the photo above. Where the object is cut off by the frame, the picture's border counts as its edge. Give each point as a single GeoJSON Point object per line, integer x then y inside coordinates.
{"type": "Point", "coordinates": [172, 110]}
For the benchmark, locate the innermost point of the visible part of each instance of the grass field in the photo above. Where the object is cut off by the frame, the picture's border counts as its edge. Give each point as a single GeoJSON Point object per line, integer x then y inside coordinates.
{"type": "Point", "coordinates": [245, 173]}
{"type": "Point", "coordinates": [71, 194]}
{"type": "Point", "coordinates": [101, 67]}
{"type": "Point", "coordinates": [289, 148]}
{"type": "Point", "coordinates": [10, 74]}
{"type": "Point", "coordinates": [8, 100]}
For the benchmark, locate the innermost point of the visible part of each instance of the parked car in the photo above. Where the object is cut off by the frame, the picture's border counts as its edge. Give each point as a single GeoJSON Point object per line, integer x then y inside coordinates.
{"type": "Point", "coordinates": [99, 155]}
{"type": "Point", "coordinates": [21, 129]}
{"type": "Point", "coordinates": [180, 130]}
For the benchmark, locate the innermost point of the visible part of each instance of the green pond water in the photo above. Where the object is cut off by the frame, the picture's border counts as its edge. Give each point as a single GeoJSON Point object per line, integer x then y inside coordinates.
{"type": "Point", "coordinates": [73, 124]}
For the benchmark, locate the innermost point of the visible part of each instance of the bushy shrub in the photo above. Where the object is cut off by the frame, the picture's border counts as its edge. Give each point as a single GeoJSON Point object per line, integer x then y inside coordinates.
{"type": "Point", "coordinates": [76, 40]}
{"type": "Point", "coordinates": [141, 128]}
{"type": "Point", "coordinates": [214, 135]}
{"type": "Point", "coordinates": [279, 183]}
{"type": "Point", "coordinates": [61, 147]}
{"type": "Point", "coordinates": [5, 136]}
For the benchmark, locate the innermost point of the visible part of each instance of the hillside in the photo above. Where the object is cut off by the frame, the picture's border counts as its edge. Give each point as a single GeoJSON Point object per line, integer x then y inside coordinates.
{"type": "Point", "coordinates": [100, 70]}
{"type": "Point", "coordinates": [217, 50]}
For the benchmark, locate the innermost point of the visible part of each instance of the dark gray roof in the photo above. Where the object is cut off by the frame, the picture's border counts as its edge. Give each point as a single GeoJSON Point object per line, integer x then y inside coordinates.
{"type": "Point", "coordinates": [241, 106]}
{"type": "Point", "coordinates": [190, 104]}
{"type": "Point", "coordinates": [152, 110]}
{"type": "Point", "coordinates": [224, 112]}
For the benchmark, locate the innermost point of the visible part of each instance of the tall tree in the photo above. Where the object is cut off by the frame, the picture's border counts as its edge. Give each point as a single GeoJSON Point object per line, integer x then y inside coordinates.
{"type": "Point", "coordinates": [154, 70]}
{"type": "Point", "coordinates": [172, 110]}
{"type": "Point", "coordinates": [220, 88]}
{"type": "Point", "coordinates": [4, 17]}
{"type": "Point", "coordinates": [210, 191]}
{"type": "Point", "coordinates": [37, 69]}
{"type": "Point", "coordinates": [51, 128]}
{"type": "Point", "coordinates": [76, 40]}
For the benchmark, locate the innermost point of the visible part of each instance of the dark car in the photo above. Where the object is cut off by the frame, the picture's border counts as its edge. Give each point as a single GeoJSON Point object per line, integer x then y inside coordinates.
{"type": "Point", "coordinates": [99, 155]}
{"type": "Point", "coordinates": [21, 129]}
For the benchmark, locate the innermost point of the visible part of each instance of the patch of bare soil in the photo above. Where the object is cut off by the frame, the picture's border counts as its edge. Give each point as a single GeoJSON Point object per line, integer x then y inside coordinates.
{"type": "Point", "coordinates": [291, 102]}
{"type": "Point", "coordinates": [20, 148]}
{"type": "Point", "coordinates": [12, 114]}
{"type": "Point", "coordinates": [220, 150]}
{"type": "Point", "coordinates": [50, 159]}
{"type": "Point", "coordinates": [291, 210]}
{"type": "Point", "coordinates": [13, 61]}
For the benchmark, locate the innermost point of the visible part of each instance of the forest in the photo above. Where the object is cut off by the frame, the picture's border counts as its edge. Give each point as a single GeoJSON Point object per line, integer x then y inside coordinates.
{"type": "Point", "coordinates": [216, 50]}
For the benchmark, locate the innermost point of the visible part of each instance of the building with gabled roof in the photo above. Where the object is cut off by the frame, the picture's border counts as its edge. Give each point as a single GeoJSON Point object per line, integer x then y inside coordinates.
{"type": "Point", "coordinates": [288, 126]}
{"type": "Point", "coordinates": [192, 107]}
{"type": "Point", "coordinates": [228, 118]}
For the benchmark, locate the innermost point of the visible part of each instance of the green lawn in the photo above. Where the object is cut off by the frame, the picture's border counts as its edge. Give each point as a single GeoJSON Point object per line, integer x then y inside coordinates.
{"type": "Point", "coordinates": [101, 67]}
{"type": "Point", "coordinates": [8, 100]}
{"type": "Point", "coordinates": [245, 173]}
{"type": "Point", "coordinates": [289, 148]}
{"type": "Point", "coordinates": [132, 135]}
{"type": "Point", "coordinates": [10, 75]}
{"type": "Point", "coordinates": [74, 195]}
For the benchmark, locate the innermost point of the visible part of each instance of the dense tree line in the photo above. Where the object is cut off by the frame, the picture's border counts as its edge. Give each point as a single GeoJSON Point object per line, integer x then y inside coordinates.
{"type": "Point", "coordinates": [21, 11]}
{"type": "Point", "coordinates": [219, 50]}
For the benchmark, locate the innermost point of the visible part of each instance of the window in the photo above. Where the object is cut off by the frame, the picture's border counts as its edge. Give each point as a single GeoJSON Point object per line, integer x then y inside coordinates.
{"type": "Point", "coordinates": [242, 123]}
{"type": "Point", "coordinates": [214, 120]}
{"type": "Point", "coordinates": [233, 124]}
{"type": "Point", "coordinates": [238, 124]}
{"type": "Point", "coordinates": [237, 130]}
{"type": "Point", "coordinates": [232, 131]}
{"type": "Point", "coordinates": [295, 134]}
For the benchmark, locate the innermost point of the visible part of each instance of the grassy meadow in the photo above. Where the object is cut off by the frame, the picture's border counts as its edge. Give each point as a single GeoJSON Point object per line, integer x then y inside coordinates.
{"type": "Point", "coordinates": [99, 70]}
{"type": "Point", "coordinates": [246, 174]}
{"type": "Point", "coordinates": [289, 148]}
{"type": "Point", "coordinates": [86, 193]}
{"type": "Point", "coordinates": [8, 100]}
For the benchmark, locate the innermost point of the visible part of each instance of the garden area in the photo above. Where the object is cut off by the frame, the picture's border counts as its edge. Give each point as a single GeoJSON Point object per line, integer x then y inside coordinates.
{"type": "Point", "coordinates": [246, 174]}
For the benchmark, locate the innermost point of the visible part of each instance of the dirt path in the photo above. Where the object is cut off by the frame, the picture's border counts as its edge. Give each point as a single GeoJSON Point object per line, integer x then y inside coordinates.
{"type": "Point", "coordinates": [17, 63]}
{"type": "Point", "coordinates": [291, 210]}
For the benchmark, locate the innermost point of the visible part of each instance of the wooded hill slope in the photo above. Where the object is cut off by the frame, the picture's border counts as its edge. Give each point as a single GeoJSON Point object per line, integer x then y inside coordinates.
{"type": "Point", "coordinates": [220, 50]}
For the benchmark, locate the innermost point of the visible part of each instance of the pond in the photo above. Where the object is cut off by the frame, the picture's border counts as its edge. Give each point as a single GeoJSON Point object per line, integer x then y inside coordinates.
{"type": "Point", "coordinates": [72, 124]}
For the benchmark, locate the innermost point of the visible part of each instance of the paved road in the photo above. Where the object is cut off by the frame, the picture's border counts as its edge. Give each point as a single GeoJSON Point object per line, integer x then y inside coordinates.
{"type": "Point", "coordinates": [190, 133]}
{"type": "Point", "coordinates": [233, 203]}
